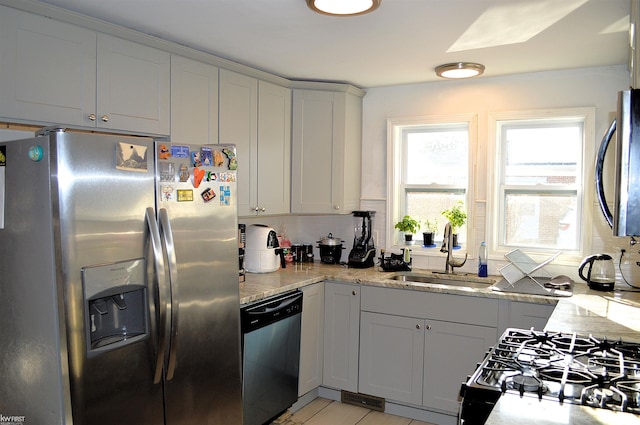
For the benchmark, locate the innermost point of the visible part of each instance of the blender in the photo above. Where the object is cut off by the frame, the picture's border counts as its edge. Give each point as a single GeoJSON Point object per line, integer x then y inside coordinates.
{"type": "Point", "coordinates": [364, 251]}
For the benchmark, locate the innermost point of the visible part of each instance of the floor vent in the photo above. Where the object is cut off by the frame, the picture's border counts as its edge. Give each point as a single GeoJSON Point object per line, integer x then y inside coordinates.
{"type": "Point", "coordinates": [368, 401]}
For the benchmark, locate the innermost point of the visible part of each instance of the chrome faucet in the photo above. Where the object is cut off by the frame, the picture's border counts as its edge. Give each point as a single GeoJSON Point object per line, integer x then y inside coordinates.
{"type": "Point", "coordinates": [447, 246]}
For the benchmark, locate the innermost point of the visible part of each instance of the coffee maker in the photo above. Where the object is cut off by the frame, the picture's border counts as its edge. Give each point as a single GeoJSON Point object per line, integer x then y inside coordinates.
{"type": "Point", "coordinates": [364, 251]}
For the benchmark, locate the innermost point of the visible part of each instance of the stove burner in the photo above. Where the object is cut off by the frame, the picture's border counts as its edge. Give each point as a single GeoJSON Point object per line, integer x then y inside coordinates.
{"type": "Point", "coordinates": [524, 383]}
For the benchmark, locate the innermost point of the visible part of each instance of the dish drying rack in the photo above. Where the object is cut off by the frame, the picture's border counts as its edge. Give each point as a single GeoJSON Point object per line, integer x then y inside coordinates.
{"type": "Point", "coordinates": [522, 266]}
{"type": "Point", "coordinates": [519, 277]}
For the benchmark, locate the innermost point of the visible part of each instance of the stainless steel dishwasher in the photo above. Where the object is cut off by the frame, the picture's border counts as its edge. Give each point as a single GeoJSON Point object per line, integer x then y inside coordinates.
{"type": "Point", "coordinates": [270, 356]}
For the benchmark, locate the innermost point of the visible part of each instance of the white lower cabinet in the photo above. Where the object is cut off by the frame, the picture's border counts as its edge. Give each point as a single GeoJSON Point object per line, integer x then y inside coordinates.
{"type": "Point", "coordinates": [452, 351]}
{"type": "Point", "coordinates": [418, 347]}
{"type": "Point", "coordinates": [341, 336]}
{"type": "Point", "coordinates": [391, 356]}
{"type": "Point", "coordinates": [311, 338]}
{"type": "Point", "coordinates": [524, 315]}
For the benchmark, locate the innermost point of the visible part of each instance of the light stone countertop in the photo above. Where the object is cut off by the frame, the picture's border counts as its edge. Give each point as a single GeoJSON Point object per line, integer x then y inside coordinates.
{"type": "Point", "coordinates": [297, 275]}
{"type": "Point", "coordinates": [613, 314]}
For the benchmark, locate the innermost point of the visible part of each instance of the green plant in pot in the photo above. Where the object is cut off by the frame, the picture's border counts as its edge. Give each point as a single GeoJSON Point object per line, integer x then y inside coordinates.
{"type": "Point", "coordinates": [457, 217]}
{"type": "Point", "coordinates": [431, 229]}
{"type": "Point", "coordinates": [408, 226]}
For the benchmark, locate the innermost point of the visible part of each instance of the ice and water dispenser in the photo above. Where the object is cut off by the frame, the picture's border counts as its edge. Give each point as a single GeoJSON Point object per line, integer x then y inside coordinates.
{"type": "Point", "coordinates": [115, 303]}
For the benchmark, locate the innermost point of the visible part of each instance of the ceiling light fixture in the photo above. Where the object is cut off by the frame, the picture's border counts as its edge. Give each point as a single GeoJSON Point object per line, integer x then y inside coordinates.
{"type": "Point", "coordinates": [459, 70]}
{"type": "Point", "coordinates": [343, 7]}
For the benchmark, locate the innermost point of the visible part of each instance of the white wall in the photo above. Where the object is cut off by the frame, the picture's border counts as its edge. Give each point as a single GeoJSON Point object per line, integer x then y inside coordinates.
{"type": "Point", "coordinates": [592, 87]}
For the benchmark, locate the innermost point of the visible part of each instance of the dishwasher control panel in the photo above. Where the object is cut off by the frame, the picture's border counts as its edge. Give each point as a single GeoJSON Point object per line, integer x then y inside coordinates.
{"type": "Point", "coordinates": [270, 310]}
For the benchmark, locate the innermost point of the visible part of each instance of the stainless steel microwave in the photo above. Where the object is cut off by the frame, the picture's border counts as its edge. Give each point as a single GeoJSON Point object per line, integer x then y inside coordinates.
{"type": "Point", "coordinates": [625, 219]}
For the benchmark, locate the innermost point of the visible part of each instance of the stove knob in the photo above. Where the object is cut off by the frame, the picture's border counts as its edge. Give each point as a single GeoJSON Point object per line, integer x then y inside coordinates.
{"type": "Point", "coordinates": [463, 389]}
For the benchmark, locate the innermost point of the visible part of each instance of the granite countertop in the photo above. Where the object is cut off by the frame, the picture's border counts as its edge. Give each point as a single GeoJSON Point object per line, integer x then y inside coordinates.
{"type": "Point", "coordinates": [613, 314]}
{"type": "Point", "coordinates": [297, 275]}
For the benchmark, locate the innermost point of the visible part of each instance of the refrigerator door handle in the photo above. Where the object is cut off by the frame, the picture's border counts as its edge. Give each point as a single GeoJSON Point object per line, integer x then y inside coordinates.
{"type": "Point", "coordinates": [172, 315]}
{"type": "Point", "coordinates": [158, 264]}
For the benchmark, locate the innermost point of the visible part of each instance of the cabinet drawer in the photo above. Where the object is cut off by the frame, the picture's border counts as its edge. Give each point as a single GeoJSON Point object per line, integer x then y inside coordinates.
{"type": "Point", "coordinates": [428, 305]}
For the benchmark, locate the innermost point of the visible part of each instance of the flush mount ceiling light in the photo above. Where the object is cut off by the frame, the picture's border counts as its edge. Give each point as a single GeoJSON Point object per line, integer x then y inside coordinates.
{"type": "Point", "coordinates": [459, 70]}
{"type": "Point", "coordinates": [343, 7]}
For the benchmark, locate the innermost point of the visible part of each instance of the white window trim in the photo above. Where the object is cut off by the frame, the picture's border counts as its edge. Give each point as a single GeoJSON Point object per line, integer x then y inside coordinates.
{"type": "Point", "coordinates": [395, 199]}
{"type": "Point", "coordinates": [588, 185]}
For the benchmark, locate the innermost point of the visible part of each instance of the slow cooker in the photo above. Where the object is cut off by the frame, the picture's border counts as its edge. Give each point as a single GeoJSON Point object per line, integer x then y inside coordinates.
{"type": "Point", "coordinates": [330, 249]}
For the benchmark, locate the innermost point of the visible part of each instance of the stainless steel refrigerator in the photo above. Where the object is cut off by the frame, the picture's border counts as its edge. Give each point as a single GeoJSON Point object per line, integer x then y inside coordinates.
{"type": "Point", "coordinates": [119, 298]}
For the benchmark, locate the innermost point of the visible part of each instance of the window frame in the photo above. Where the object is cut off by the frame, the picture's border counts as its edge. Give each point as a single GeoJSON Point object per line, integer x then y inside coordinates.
{"type": "Point", "coordinates": [395, 189]}
{"type": "Point", "coordinates": [584, 188]}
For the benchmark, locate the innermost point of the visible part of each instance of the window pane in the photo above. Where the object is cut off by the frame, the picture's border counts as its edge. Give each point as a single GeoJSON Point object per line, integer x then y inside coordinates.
{"type": "Point", "coordinates": [429, 205]}
{"type": "Point", "coordinates": [541, 220]}
{"type": "Point", "coordinates": [437, 156]}
{"type": "Point", "coordinates": [548, 155]}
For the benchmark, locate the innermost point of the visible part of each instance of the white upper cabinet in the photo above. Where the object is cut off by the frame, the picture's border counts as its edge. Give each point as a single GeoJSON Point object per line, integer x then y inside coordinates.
{"type": "Point", "coordinates": [326, 151]}
{"type": "Point", "coordinates": [255, 116]}
{"type": "Point", "coordinates": [194, 101]}
{"type": "Point", "coordinates": [133, 86]}
{"type": "Point", "coordinates": [238, 124]}
{"type": "Point", "coordinates": [57, 73]}
{"type": "Point", "coordinates": [274, 149]}
{"type": "Point", "coordinates": [47, 69]}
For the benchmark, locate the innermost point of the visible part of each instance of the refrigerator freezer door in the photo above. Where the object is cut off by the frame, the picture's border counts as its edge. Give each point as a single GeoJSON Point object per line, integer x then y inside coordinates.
{"type": "Point", "coordinates": [104, 186]}
{"type": "Point", "coordinates": [197, 200]}
{"type": "Point", "coordinates": [82, 205]}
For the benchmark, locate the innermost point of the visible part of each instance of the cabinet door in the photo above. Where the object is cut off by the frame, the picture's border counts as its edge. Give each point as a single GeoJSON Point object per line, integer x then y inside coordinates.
{"type": "Point", "coordinates": [47, 69]}
{"type": "Point", "coordinates": [451, 353]}
{"type": "Point", "coordinates": [238, 124]}
{"type": "Point", "coordinates": [312, 165]}
{"type": "Point", "coordinates": [529, 315]}
{"type": "Point", "coordinates": [341, 336]}
{"type": "Point", "coordinates": [311, 338]}
{"type": "Point", "coordinates": [326, 152]}
{"type": "Point", "coordinates": [274, 148]}
{"type": "Point", "coordinates": [391, 357]}
{"type": "Point", "coordinates": [133, 86]}
{"type": "Point", "coordinates": [194, 101]}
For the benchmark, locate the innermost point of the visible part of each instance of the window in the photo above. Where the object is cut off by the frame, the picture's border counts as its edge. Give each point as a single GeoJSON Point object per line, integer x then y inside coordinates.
{"type": "Point", "coordinates": [429, 161]}
{"type": "Point", "coordinates": [540, 180]}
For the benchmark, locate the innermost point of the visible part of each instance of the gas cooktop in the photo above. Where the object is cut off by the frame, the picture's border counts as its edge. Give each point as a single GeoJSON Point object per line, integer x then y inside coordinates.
{"type": "Point", "coordinates": [555, 367]}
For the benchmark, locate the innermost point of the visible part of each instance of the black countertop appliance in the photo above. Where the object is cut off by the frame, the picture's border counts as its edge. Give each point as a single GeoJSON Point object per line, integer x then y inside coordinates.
{"type": "Point", "coordinates": [363, 253]}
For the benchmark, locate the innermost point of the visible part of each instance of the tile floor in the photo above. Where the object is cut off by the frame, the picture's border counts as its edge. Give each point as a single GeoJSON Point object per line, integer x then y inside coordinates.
{"type": "Point", "coordinates": [327, 412]}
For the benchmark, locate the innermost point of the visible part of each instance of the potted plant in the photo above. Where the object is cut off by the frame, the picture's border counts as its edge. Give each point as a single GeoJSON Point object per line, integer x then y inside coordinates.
{"type": "Point", "coordinates": [431, 229]}
{"type": "Point", "coordinates": [457, 217]}
{"type": "Point", "coordinates": [408, 226]}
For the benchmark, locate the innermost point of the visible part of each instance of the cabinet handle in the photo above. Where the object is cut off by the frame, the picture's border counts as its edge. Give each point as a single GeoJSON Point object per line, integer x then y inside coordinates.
{"type": "Point", "coordinates": [92, 117]}
{"type": "Point", "coordinates": [428, 327]}
{"type": "Point", "coordinates": [354, 293]}
{"type": "Point", "coordinates": [105, 118]}
{"type": "Point", "coordinates": [336, 207]}
{"type": "Point", "coordinates": [418, 326]}
{"type": "Point", "coordinates": [263, 209]}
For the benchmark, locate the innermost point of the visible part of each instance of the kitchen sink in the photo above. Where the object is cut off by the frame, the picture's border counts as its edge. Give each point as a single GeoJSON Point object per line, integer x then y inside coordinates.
{"type": "Point", "coordinates": [463, 281]}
